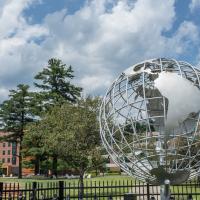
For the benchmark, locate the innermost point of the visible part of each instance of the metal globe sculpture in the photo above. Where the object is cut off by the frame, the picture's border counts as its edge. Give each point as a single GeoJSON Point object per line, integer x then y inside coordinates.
{"type": "Point", "coordinates": [149, 121]}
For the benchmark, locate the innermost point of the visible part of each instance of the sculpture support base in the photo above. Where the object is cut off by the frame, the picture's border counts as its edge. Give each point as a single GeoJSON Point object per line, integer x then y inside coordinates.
{"type": "Point", "coordinates": [165, 191]}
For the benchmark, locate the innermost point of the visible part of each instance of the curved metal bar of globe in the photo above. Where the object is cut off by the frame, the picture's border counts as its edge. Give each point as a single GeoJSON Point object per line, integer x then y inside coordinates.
{"type": "Point", "coordinates": [165, 190]}
{"type": "Point", "coordinates": [113, 103]}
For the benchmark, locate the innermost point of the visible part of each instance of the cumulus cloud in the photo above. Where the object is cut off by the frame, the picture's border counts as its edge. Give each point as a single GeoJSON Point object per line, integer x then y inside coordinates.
{"type": "Point", "coordinates": [107, 41]}
{"type": "Point", "coordinates": [16, 37]}
{"type": "Point", "coordinates": [194, 4]}
{"type": "Point", "coordinates": [178, 110]}
{"type": "Point", "coordinates": [100, 40]}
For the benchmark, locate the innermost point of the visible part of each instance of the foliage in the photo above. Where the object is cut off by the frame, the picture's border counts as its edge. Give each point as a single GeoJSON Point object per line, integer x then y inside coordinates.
{"type": "Point", "coordinates": [33, 146]}
{"type": "Point", "coordinates": [55, 89]}
{"type": "Point", "coordinates": [55, 85]}
{"type": "Point", "coordinates": [71, 133]}
{"type": "Point", "coordinates": [15, 114]}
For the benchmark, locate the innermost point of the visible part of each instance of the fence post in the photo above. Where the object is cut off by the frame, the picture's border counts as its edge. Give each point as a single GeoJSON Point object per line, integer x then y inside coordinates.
{"type": "Point", "coordinates": [20, 197]}
{"type": "Point", "coordinates": [110, 197]}
{"type": "Point", "coordinates": [61, 190]}
{"type": "Point", "coordinates": [190, 197]}
{"type": "Point", "coordinates": [80, 197]}
{"type": "Point", "coordinates": [148, 192]}
{"type": "Point", "coordinates": [9, 196]}
{"type": "Point", "coordinates": [34, 188]}
{"type": "Point", "coordinates": [130, 196]}
{"type": "Point", "coordinates": [1, 190]}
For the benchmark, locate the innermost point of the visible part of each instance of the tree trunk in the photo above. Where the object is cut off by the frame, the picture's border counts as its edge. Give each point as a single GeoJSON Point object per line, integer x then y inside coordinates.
{"type": "Point", "coordinates": [81, 184]}
{"type": "Point", "coordinates": [20, 159]}
{"type": "Point", "coordinates": [37, 166]}
{"type": "Point", "coordinates": [54, 165]}
{"type": "Point", "coordinates": [96, 171]}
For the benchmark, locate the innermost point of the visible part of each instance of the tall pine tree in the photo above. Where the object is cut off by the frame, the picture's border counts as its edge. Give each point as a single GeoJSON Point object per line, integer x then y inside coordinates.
{"type": "Point", "coordinates": [54, 82]}
{"type": "Point", "coordinates": [15, 113]}
{"type": "Point", "coordinates": [56, 88]}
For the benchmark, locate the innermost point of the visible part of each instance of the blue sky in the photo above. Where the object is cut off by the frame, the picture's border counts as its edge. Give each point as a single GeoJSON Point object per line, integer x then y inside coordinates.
{"type": "Point", "coordinates": [99, 38]}
{"type": "Point", "coordinates": [41, 9]}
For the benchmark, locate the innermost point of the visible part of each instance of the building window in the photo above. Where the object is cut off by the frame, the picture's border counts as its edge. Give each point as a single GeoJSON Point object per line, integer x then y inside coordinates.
{"type": "Point", "coordinates": [9, 144]}
{"type": "Point", "coordinates": [4, 144]}
{"type": "Point", "coordinates": [8, 160]}
{"type": "Point", "coordinates": [8, 152]}
{"type": "Point", "coordinates": [14, 161]}
{"type": "Point", "coordinates": [4, 152]}
{"type": "Point", "coordinates": [3, 160]}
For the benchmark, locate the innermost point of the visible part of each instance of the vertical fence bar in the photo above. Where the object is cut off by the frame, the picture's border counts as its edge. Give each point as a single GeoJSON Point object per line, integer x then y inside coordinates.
{"type": "Point", "coordinates": [13, 193]}
{"type": "Point", "coordinates": [99, 190]}
{"type": "Point", "coordinates": [106, 188]}
{"type": "Point", "coordinates": [18, 189]}
{"type": "Point", "coordinates": [34, 188]}
{"type": "Point", "coordinates": [1, 190]}
{"type": "Point", "coordinates": [103, 190]}
{"type": "Point", "coordinates": [5, 194]}
{"type": "Point", "coordinates": [37, 194]}
{"type": "Point", "coordinates": [195, 186]}
{"type": "Point", "coordinates": [144, 191]}
{"type": "Point", "coordinates": [69, 189]}
{"type": "Point", "coordinates": [61, 190]}
{"type": "Point", "coordinates": [95, 188]}
{"type": "Point", "coordinates": [148, 192]}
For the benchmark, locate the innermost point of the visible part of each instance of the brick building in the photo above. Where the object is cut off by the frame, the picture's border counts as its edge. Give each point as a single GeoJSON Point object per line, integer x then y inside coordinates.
{"type": "Point", "coordinates": [8, 157]}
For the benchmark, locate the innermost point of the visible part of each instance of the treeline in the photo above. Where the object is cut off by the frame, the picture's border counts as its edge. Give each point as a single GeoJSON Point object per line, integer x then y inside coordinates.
{"type": "Point", "coordinates": [53, 125]}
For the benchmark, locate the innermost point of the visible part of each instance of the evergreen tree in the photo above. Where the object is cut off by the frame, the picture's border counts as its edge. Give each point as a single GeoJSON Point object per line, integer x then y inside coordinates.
{"type": "Point", "coordinates": [55, 86]}
{"type": "Point", "coordinates": [15, 114]}
{"type": "Point", "coordinates": [33, 146]}
{"type": "Point", "coordinates": [54, 82]}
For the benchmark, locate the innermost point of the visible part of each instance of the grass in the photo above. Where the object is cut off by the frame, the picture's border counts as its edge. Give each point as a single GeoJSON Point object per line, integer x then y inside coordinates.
{"type": "Point", "coordinates": [105, 179]}
{"type": "Point", "coordinates": [97, 184]}
{"type": "Point", "coordinates": [92, 186]}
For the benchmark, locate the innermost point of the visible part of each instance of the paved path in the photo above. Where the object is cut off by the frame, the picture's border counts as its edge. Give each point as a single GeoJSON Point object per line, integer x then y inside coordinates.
{"type": "Point", "coordinates": [143, 190]}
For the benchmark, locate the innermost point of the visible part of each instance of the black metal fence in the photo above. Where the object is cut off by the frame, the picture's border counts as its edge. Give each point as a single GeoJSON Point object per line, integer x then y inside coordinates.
{"type": "Point", "coordinates": [93, 190]}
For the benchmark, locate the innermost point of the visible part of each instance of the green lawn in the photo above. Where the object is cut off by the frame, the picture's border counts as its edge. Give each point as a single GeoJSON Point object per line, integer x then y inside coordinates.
{"type": "Point", "coordinates": [98, 185]}
{"type": "Point", "coordinates": [109, 179]}
{"type": "Point", "coordinates": [92, 186]}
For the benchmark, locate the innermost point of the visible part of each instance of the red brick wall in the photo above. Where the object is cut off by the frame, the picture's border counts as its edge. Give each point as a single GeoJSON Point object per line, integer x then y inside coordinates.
{"type": "Point", "coordinates": [6, 155]}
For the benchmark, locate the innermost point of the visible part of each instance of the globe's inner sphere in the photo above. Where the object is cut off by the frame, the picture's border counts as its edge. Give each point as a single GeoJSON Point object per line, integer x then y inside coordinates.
{"type": "Point", "coordinates": [149, 121]}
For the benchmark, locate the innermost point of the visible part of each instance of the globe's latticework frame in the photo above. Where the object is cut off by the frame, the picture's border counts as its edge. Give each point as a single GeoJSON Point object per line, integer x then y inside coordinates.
{"type": "Point", "coordinates": [133, 118]}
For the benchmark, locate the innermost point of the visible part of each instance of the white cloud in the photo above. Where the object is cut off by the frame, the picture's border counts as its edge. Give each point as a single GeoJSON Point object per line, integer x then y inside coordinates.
{"type": "Point", "coordinates": [91, 83]}
{"type": "Point", "coordinates": [194, 4]}
{"type": "Point", "coordinates": [4, 93]}
{"type": "Point", "coordinates": [184, 38]}
{"type": "Point", "coordinates": [98, 40]}
{"type": "Point", "coordinates": [16, 37]}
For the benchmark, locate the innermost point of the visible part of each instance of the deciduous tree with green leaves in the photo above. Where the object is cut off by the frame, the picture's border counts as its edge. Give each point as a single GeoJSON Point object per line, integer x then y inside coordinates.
{"type": "Point", "coordinates": [15, 114]}
{"type": "Point", "coordinates": [72, 133]}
